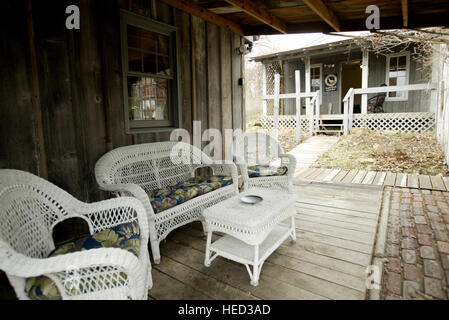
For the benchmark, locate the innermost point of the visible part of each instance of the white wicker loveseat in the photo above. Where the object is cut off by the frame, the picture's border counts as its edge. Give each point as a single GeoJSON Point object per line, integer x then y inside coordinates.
{"type": "Point", "coordinates": [154, 168]}
{"type": "Point", "coordinates": [263, 162]}
{"type": "Point", "coordinates": [30, 207]}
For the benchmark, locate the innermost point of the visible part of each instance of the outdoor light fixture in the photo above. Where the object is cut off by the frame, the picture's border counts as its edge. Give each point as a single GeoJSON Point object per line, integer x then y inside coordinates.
{"type": "Point", "coordinates": [245, 48]}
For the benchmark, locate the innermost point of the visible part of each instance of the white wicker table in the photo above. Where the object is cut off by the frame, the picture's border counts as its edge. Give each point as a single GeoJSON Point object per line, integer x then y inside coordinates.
{"type": "Point", "coordinates": [252, 232]}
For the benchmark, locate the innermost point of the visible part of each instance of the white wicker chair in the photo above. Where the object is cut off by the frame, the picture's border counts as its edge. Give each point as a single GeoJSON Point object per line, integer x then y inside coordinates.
{"type": "Point", "coordinates": [138, 169]}
{"type": "Point", "coordinates": [30, 207]}
{"type": "Point", "coordinates": [258, 148]}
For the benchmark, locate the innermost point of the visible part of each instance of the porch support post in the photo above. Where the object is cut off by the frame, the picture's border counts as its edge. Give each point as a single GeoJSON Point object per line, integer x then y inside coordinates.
{"type": "Point", "coordinates": [298, 104]}
{"type": "Point", "coordinates": [308, 86]}
{"type": "Point", "coordinates": [317, 110]}
{"type": "Point", "coordinates": [365, 73]}
{"type": "Point", "coordinates": [264, 89]}
{"type": "Point", "coordinates": [277, 88]}
{"type": "Point", "coordinates": [351, 111]}
{"type": "Point", "coordinates": [345, 119]}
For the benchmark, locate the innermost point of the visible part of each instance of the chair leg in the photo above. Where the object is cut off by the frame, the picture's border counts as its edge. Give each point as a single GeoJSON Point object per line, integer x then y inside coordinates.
{"type": "Point", "coordinates": [204, 227]}
{"type": "Point", "coordinates": [154, 242]}
{"type": "Point", "coordinates": [155, 251]}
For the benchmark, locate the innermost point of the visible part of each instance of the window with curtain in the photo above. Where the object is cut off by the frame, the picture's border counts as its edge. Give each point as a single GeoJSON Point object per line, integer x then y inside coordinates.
{"type": "Point", "coordinates": [149, 73]}
{"type": "Point", "coordinates": [398, 75]}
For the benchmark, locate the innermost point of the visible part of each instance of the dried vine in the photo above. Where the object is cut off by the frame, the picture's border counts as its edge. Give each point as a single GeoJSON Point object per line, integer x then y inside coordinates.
{"type": "Point", "coordinates": [421, 43]}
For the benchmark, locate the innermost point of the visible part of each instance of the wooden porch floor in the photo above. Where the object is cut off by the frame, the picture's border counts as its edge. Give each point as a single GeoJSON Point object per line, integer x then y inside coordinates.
{"type": "Point", "coordinates": [335, 237]}
{"type": "Point", "coordinates": [374, 178]}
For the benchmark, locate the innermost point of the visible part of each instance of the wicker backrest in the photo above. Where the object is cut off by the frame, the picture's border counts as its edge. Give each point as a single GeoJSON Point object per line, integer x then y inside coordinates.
{"type": "Point", "coordinates": [256, 148]}
{"type": "Point", "coordinates": [29, 209]}
{"type": "Point", "coordinates": [149, 165]}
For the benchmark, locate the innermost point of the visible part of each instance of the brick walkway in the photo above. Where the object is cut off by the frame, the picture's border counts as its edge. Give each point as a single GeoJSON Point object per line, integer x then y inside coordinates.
{"type": "Point", "coordinates": [417, 245]}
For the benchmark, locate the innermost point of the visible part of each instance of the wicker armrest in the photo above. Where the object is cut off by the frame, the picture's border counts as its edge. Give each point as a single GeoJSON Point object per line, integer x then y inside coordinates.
{"type": "Point", "coordinates": [18, 265]}
{"type": "Point", "coordinates": [291, 164]}
{"type": "Point", "coordinates": [113, 212]}
{"type": "Point", "coordinates": [134, 190]}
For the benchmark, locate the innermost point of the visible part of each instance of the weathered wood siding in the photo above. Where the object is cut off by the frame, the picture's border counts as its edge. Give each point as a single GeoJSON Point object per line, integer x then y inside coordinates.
{"type": "Point", "coordinates": [332, 65]}
{"type": "Point", "coordinates": [418, 101]}
{"type": "Point", "coordinates": [75, 98]}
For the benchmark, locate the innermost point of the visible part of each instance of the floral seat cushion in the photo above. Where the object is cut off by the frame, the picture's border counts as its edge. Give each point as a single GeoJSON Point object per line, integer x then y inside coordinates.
{"type": "Point", "coordinates": [168, 197]}
{"type": "Point", "coordinates": [125, 236]}
{"type": "Point", "coordinates": [266, 171]}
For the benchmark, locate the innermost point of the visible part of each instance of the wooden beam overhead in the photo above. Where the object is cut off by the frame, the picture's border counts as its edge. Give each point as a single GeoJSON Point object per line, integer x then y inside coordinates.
{"type": "Point", "coordinates": [404, 4]}
{"type": "Point", "coordinates": [192, 8]}
{"type": "Point", "coordinates": [324, 12]}
{"type": "Point", "coordinates": [260, 14]}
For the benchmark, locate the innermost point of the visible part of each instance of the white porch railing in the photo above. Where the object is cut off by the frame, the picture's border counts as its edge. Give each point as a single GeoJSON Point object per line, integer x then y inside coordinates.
{"type": "Point", "coordinates": [298, 95]}
{"type": "Point", "coordinates": [348, 100]}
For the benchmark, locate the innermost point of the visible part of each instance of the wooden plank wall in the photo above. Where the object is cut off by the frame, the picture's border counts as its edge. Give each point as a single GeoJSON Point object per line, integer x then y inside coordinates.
{"type": "Point", "coordinates": [79, 85]}
{"type": "Point", "coordinates": [418, 101]}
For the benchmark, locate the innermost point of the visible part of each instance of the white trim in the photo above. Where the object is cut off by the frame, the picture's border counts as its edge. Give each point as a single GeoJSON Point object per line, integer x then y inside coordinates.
{"type": "Point", "coordinates": [307, 78]}
{"type": "Point", "coordinates": [318, 65]}
{"type": "Point", "coordinates": [387, 73]}
{"type": "Point", "coordinates": [365, 80]}
{"type": "Point", "coordinates": [410, 87]}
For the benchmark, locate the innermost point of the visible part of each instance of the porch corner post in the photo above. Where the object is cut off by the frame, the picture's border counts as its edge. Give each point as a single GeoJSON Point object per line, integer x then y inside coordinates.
{"type": "Point", "coordinates": [308, 85]}
{"type": "Point", "coordinates": [298, 104]}
{"type": "Point", "coordinates": [311, 119]}
{"type": "Point", "coordinates": [264, 89]}
{"type": "Point", "coordinates": [277, 88]}
{"type": "Point", "coordinates": [351, 110]}
{"type": "Point", "coordinates": [365, 74]}
{"type": "Point", "coordinates": [317, 111]}
{"type": "Point", "coordinates": [345, 120]}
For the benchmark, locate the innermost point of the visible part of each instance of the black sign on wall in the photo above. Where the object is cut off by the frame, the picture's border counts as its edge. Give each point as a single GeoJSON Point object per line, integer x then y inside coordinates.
{"type": "Point", "coordinates": [330, 82]}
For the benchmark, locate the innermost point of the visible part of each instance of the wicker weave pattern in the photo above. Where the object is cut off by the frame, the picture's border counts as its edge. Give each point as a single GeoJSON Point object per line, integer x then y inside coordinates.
{"type": "Point", "coordinates": [252, 225]}
{"type": "Point", "coordinates": [31, 207]}
{"type": "Point", "coordinates": [135, 170]}
{"type": "Point", "coordinates": [248, 223]}
{"type": "Point", "coordinates": [259, 148]}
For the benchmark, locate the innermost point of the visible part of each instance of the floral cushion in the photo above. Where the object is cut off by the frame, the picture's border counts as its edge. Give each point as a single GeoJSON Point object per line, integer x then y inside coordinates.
{"type": "Point", "coordinates": [168, 197]}
{"type": "Point", "coordinates": [125, 236]}
{"type": "Point", "coordinates": [266, 171]}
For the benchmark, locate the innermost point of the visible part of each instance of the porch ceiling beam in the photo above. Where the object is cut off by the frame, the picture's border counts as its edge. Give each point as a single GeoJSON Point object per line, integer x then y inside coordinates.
{"type": "Point", "coordinates": [324, 12]}
{"type": "Point", "coordinates": [197, 10]}
{"type": "Point", "coordinates": [260, 14]}
{"type": "Point", "coordinates": [404, 5]}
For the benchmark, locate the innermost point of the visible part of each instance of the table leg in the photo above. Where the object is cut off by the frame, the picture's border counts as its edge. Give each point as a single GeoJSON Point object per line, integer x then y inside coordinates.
{"type": "Point", "coordinates": [208, 243]}
{"type": "Point", "coordinates": [293, 228]}
{"type": "Point", "coordinates": [255, 277]}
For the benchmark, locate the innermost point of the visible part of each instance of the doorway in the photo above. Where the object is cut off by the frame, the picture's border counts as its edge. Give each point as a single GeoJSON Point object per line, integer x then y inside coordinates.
{"type": "Point", "coordinates": [351, 77]}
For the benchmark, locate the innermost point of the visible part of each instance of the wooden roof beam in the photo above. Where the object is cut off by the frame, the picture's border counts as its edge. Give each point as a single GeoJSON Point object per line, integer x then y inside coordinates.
{"type": "Point", "coordinates": [404, 5]}
{"type": "Point", "coordinates": [197, 10]}
{"type": "Point", "coordinates": [260, 14]}
{"type": "Point", "coordinates": [324, 12]}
